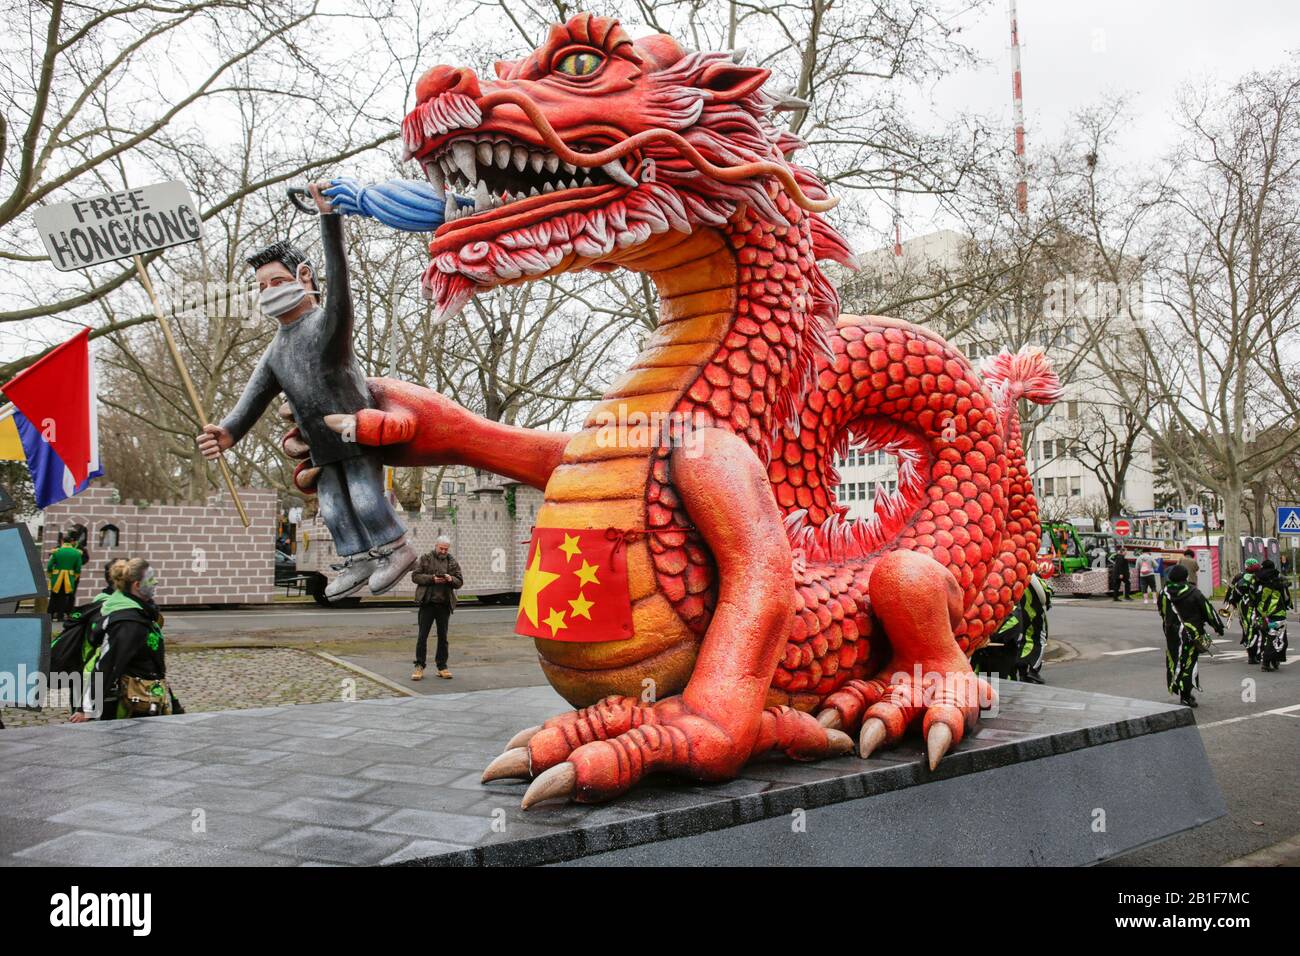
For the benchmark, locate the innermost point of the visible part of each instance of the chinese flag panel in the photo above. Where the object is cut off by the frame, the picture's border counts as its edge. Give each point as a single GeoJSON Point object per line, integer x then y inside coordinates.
{"type": "Point", "coordinates": [575, 587]}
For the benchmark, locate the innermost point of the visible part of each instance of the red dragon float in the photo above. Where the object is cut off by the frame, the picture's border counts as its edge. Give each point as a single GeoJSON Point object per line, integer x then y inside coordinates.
{"type": "Point", "coordinates": [751, 615]}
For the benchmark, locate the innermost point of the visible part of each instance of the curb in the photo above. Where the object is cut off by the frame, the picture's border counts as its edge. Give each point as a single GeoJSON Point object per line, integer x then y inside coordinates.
{"type": "Point", "coordinates": [369, 675]}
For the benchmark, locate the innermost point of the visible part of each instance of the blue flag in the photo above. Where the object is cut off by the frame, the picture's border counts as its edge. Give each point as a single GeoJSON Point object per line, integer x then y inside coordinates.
{"type": "Point", "coordinates": [50, 476]}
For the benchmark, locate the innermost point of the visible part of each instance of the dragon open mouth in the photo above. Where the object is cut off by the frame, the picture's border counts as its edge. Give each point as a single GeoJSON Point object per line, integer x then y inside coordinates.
{"type": "Point", "coordinates": [492, 171]}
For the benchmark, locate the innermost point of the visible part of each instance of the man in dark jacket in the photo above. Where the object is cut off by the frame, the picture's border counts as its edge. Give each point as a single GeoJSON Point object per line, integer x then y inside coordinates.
{"type": "Point", "coordinates": [1119, 576]}
{"type": "Point", "coordinates": [437, 576]}
{"type": "Point", "coordinates": [1185, 613]}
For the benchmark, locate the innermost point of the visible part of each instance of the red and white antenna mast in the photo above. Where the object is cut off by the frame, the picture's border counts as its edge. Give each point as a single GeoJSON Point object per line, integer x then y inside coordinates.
{"type": "Point", "coordinates": [898, 222]}
{"type": "Point", "coordinates": [1018, 113]}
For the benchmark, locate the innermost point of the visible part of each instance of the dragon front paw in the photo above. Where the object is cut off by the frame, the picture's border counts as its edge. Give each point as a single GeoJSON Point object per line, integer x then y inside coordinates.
{"type": "Point", "coordinates": [946, 704]}
{"type": "Point", "coordinates": [599, 752]}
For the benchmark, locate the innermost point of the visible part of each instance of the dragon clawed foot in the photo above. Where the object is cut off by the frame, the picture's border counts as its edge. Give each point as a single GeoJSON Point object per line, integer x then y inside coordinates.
{"type": "Point", "coordinates": [946, 705]}
{"type": "Point", "coordinates": [599, 752]}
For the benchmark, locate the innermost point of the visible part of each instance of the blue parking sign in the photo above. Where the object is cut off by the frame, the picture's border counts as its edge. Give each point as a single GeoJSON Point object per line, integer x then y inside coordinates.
{"type": "Point", "coordinates": [1288, 519]}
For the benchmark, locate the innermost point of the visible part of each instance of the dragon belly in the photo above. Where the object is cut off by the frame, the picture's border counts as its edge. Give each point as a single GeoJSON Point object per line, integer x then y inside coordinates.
{"type": "Point", "coordinates": [615, 477]}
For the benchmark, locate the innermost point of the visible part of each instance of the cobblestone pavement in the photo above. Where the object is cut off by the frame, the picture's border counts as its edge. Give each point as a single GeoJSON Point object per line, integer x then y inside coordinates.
{"type": "Point", "coordinates": [241, 678]}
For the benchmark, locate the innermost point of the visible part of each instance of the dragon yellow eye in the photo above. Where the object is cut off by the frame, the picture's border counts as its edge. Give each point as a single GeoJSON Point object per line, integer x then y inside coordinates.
{"type": "Point", "coordinates": [580, 64]}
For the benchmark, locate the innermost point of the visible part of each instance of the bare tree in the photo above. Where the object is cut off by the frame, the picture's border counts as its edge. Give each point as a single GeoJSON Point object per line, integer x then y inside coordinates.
{"type": "Point", "coordinates": [1221, 240]}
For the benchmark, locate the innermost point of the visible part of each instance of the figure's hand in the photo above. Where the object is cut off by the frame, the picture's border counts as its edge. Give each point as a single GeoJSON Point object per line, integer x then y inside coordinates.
{"type": "Point", "coordinates": [78, 718]}
{"type": "Point", "coordinates": [213, 441]}
{"type": "Point", "coordinates": [410, 425]}
{"type": "Point", "coordinates": [322, 204]}
{"type": "Point", "coordinates": [344, 196]}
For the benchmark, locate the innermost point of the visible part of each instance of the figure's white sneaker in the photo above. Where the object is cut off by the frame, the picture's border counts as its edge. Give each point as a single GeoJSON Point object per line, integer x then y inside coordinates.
{"type": "Point", "coordinates": [391, 565]}
{"type": "Point", "coordinates": [353, 573]}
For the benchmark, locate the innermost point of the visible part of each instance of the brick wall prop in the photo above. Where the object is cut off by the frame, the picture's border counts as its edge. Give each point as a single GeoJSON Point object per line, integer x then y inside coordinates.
{"type": "Point", "coordinates": [202, 552]}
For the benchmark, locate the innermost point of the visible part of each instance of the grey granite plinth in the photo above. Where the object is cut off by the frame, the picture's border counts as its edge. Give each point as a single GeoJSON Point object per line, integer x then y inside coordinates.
{"type": "Point", "coordinates": [1056, 777]}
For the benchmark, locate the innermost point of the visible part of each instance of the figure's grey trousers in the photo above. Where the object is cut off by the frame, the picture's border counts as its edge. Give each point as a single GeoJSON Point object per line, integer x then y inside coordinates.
{"type": "Point", "coordinates": [356, 510]}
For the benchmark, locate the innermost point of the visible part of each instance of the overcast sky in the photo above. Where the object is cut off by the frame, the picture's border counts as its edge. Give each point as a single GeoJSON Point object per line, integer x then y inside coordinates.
{"type": "Point", "coordinates": [1075, 52]}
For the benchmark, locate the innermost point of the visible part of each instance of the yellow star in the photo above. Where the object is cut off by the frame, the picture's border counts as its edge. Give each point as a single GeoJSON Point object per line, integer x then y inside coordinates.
{"type": "Point", "coordinates": [535, 580]}
{"type": "Point", "coordinates": [555, 621]}
{"type": "Point", "coordinates": [586, 574]}
{"type": "Point", "coordinates": [570, 546]}
{"type": "Point", "coordinates": [581, 606]}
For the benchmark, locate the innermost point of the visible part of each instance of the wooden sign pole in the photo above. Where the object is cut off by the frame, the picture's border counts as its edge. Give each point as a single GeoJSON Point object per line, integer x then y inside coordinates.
{"type": "Point", "coordinates": [188, 382]}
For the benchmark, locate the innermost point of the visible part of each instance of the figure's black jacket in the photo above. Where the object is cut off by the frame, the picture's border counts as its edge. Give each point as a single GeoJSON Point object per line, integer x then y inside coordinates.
{"type": "Point", "coordinates": [1193, 609]}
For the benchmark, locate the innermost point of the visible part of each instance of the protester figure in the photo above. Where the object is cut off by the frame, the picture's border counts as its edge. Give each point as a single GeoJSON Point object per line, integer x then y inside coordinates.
{"type": "Point", "coordinates": [132, 659]}
{"type": "Point", "coordinates": [1272, 601]}
{"type": "Point", "coordinates": [1185, 613]}
{"type": "Point", "coordinates": [1147, 572]}
{"type": "Point", "coordinates": [1119, 576]}
{"type": "Point", "coordinates": [1188, 560]}
{"type": "Point", "coordinates": [437, 576]}
{"type": "Point", "coordinates": [1242, 596]}
{"type": "Point", "coordinates": [311, 360]}
{"type": "Point", "coordinates": [64, 569]}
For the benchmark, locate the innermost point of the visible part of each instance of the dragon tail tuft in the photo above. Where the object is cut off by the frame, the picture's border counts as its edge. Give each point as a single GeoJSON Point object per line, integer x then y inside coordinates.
{"type": "Point", "coordinates": [1026, 374]}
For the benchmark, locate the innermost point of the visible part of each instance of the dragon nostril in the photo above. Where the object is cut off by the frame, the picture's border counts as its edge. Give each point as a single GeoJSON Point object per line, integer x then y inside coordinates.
{"type": "Point", "coordinates": [441, 79]}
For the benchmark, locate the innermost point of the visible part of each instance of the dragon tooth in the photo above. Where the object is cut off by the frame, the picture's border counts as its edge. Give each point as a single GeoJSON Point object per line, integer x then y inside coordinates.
{"type": "Point", "coordinates": [573, 183]}
{"type": "Point", "coordinates": [519, 156]}
{"type": "Point", "coordinates": [533, 192]}
{"type": "Point", "coordinates": [586, 180]}
{"type": "Point", "coordinates": [433, 173]}
{"type": "Point", "coordinates": [615, 171]}
{"type": "Point", "coordinates": [535, 160]}
{"type": "Point", "coordinates": [482, 198]}
{"type": "Point", "coordinates": [462, 153]}
{"type": "Point", "coordinates": [484, 151]}
{"type": "Point", "coordinates": [501, 152]}
{"type": "Point", "coordinates": [552, 162]}
{"type": "Point", "coordinates": [570, 168]}
{"type": "Point", "coordinates": [548, 187]}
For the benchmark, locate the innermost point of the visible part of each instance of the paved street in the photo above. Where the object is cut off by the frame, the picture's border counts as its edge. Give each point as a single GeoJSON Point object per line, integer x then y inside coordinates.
{"type": "Point", "coordinates": [257, 657]}
{"type": "Point", "coordinates": [1254, 749]}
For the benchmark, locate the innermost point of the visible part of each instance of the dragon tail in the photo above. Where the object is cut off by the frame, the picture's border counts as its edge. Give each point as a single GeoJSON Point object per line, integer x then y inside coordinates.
{"type": "Point", "coordinates": [1026, 374]}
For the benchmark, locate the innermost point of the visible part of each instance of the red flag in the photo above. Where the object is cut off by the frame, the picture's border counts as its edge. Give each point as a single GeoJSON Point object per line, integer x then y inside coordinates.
{"type": "Point", "coordinates": [575, 587]}
{"type": "Point", "coordinates": [54, 394]}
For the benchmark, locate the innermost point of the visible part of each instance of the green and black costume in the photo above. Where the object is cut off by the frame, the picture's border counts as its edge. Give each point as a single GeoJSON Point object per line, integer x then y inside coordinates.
{"type": "Point", "coordinates": [1272, 601]}
{"type": "Point", "coordinates": [1186, 614]}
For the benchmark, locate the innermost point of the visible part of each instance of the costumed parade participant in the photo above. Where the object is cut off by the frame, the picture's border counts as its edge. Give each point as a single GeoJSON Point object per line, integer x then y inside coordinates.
{"type": "Point", "coordinates": [132, 659]}
{"type": "Point", "coordinates": [1186, 613]}
{"type": "Point", "coordinates": [1016, 651]}
{"type": "Point", "coordinates": [64, 569]}
{"type": "Point", "coordinates": [311, 360]}
{"type": "Point", "coordinates": [1272, 601]}
{"type": "Point", "coordinates": [1241, 596]}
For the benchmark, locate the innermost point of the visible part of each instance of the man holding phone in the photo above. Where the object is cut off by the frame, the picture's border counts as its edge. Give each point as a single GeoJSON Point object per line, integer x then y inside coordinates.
{"type": "Point", "coordinates": [437, 576]}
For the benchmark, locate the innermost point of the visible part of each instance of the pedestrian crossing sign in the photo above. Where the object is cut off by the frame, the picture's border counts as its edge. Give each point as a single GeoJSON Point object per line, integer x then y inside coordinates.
{"type": "Point", "coordinates": [1288, 519]}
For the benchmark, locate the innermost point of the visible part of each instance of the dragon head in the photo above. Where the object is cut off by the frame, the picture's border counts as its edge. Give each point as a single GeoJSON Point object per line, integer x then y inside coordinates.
{"type": "Point", "coordinates": [587, 151]}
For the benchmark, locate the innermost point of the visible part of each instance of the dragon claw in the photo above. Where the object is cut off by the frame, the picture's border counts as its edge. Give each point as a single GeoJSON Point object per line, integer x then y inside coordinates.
{"type": "Point", "coordinates": [872, 736]}
{"type": "Point", "coordinates": [561, 781]}
{"type": "Point", "coordinates": [838, 743]}
{"type": "Point", "coordinates": [521, 739]}
{"type": "Point", "coordinates": [831, 719]}
{"type": "Point", "coordinates": [514, 763]}
{"type": "Point", "coordinates": [937, 742]}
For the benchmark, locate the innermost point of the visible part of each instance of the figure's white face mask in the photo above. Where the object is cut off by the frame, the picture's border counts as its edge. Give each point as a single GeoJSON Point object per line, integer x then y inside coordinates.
{"type": "Point", "coordinates": [278, 300]}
